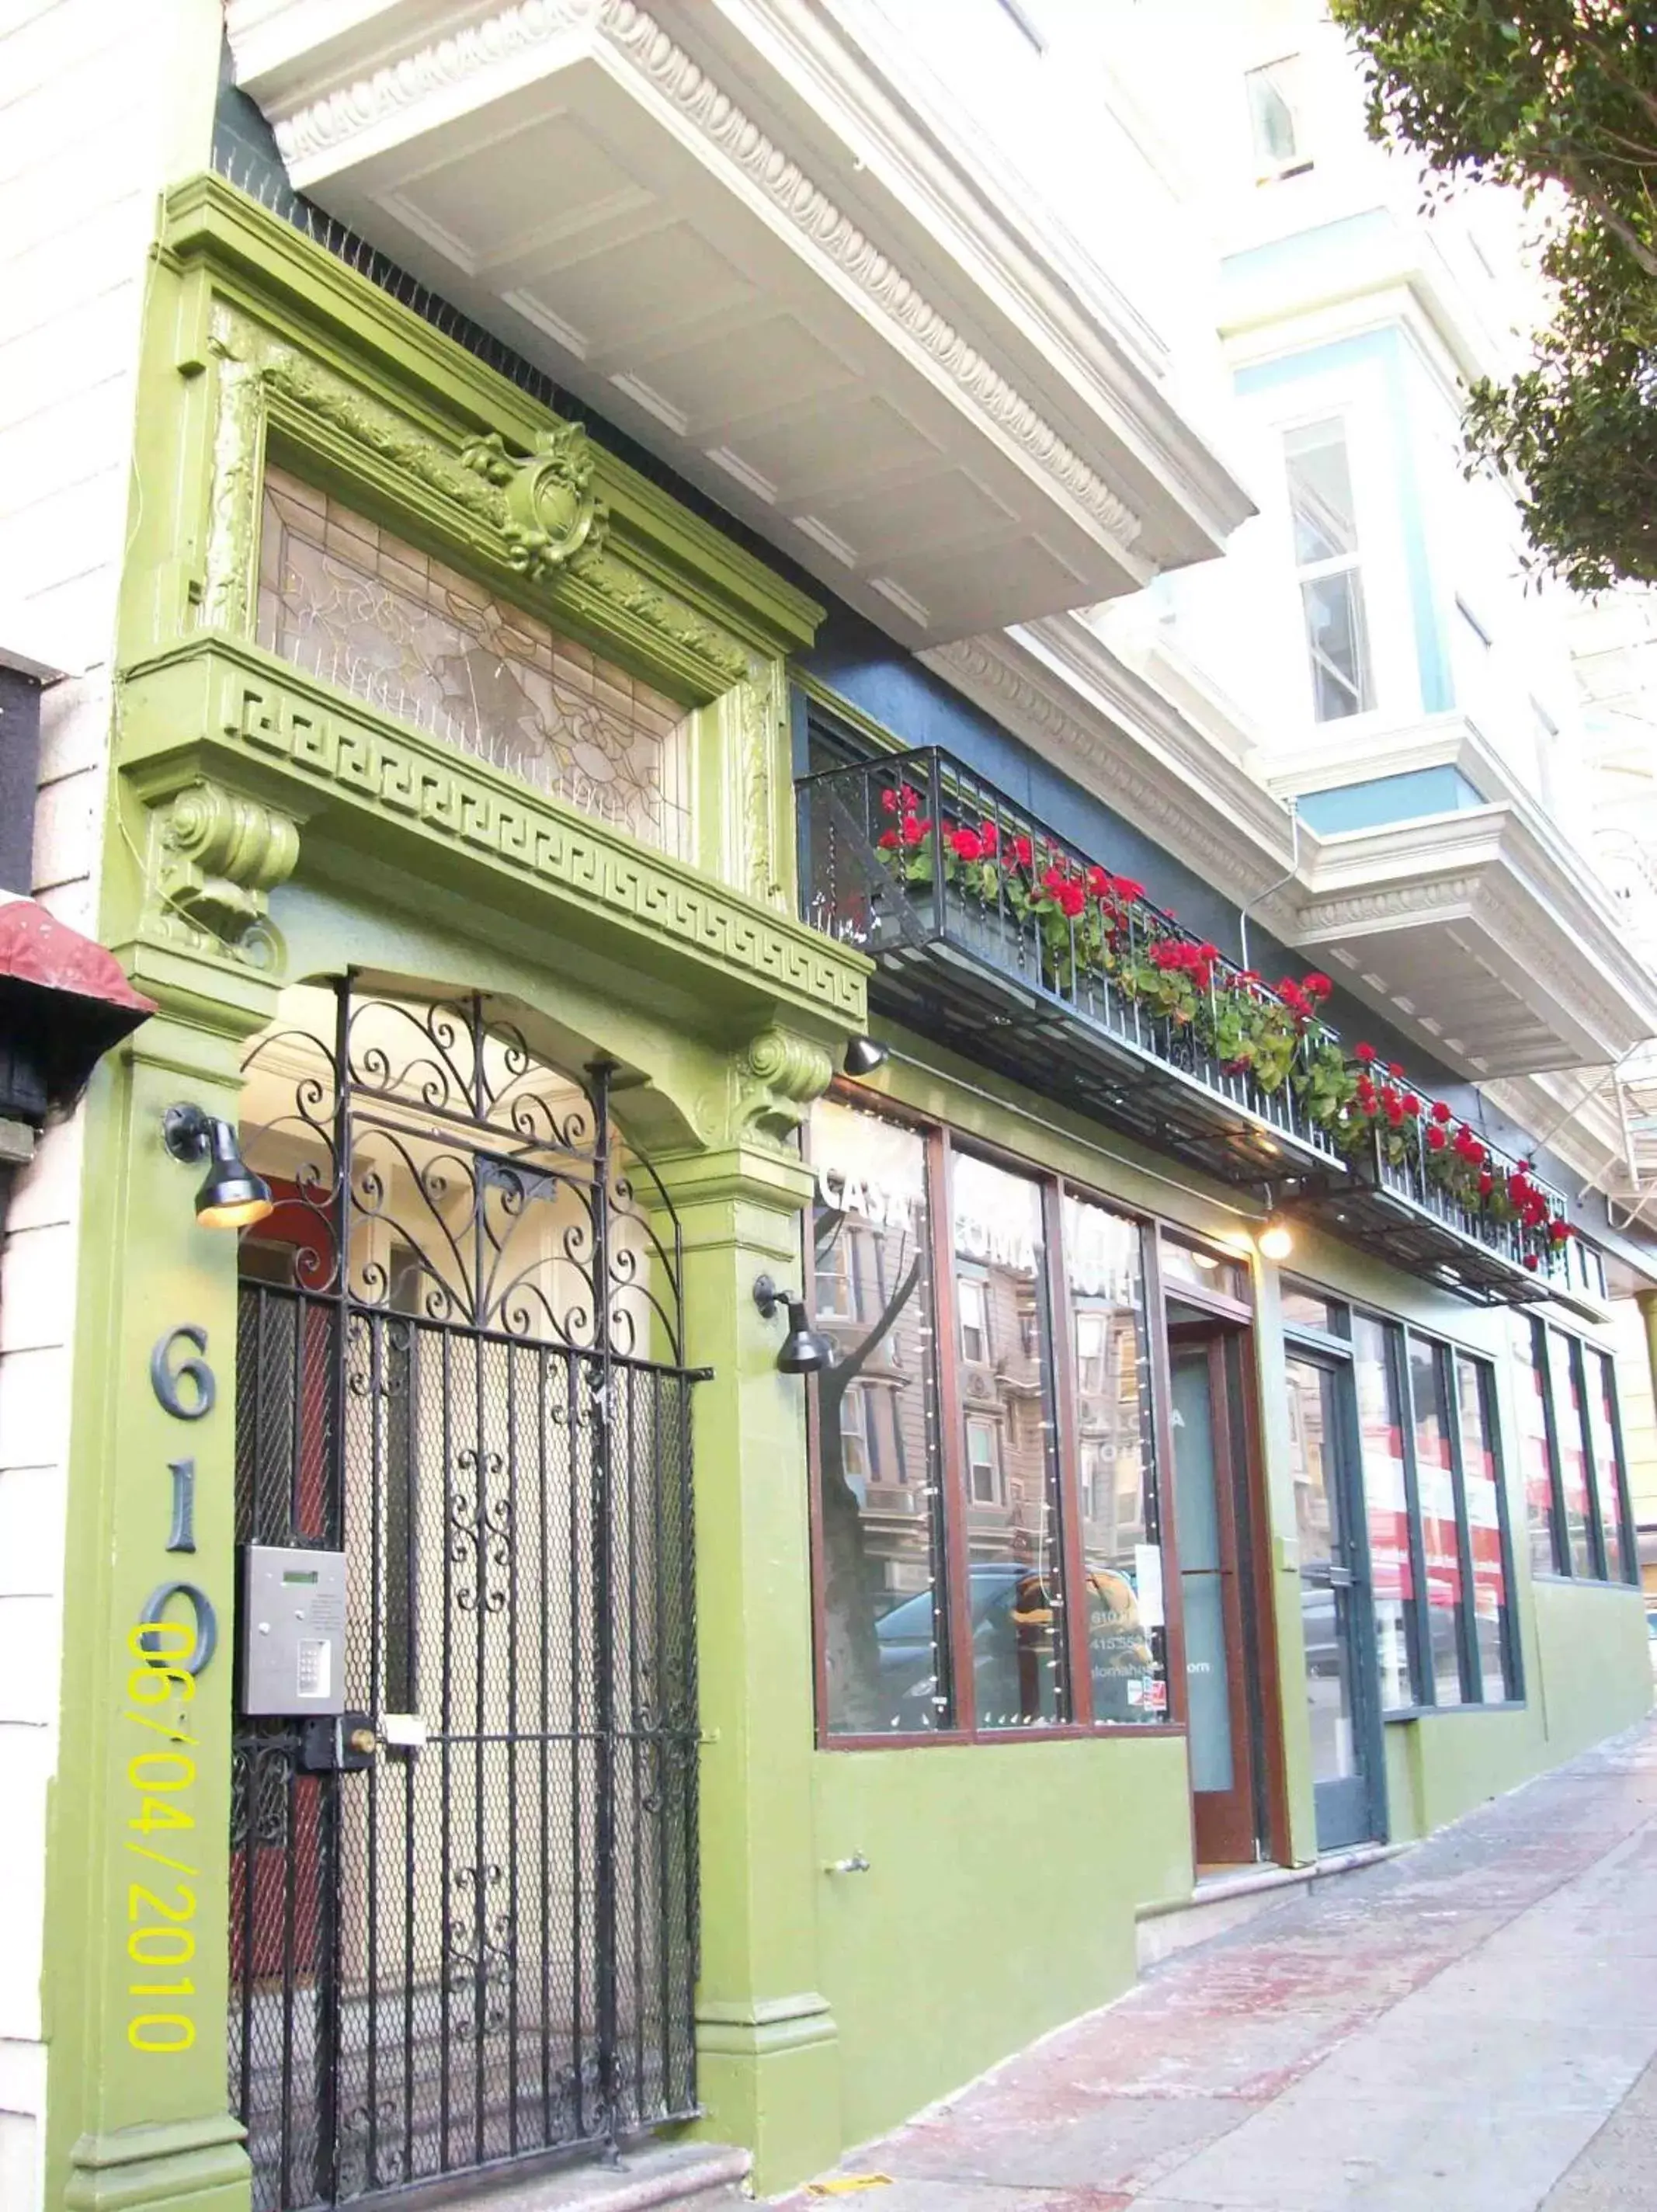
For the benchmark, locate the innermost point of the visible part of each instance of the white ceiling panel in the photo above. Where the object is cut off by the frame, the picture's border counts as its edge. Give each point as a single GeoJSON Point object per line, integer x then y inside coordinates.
{"type": "Point", "coordinates": [577, 181]}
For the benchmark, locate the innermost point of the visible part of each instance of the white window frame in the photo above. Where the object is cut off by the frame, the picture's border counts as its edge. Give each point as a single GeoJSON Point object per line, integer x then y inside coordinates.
{"type": "Point", "coordinates": [978, 1425]}
{"type": "Point", "coordinates": [980, 1291]}
{"type": "Point", "coordinates": [1348, 563]}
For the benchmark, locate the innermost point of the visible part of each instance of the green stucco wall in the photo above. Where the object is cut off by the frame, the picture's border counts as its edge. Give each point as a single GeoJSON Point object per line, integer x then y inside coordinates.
{"type": "Point", "coordinates": [999, 1900]}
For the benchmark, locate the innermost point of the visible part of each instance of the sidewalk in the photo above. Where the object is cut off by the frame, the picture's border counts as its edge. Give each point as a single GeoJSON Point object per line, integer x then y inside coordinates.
{"type": "Point", "coordinates": [1471, 2026]}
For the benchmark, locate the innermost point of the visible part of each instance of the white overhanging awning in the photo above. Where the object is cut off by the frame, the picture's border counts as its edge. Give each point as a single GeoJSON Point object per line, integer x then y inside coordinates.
{"type": "Point", "coordinates": [726, 230]}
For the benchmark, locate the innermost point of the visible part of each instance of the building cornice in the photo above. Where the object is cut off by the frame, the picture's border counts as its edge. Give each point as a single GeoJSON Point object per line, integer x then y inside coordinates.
{"type": "Point", "coordinates": [1045, 359]}
{"type": "Point", "coordinates": [1057, 686]}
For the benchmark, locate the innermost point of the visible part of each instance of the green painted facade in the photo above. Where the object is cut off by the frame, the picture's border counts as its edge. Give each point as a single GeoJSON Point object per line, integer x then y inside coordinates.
{"type": "Point", "coordinates": [265, 827]}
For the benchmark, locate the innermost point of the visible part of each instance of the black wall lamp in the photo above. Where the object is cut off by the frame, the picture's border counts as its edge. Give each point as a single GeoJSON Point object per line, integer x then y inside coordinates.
{"type": "Point", "coordinates": [864, 1056]}
{"type": "Point", "coordinates": [803, 1351]}
{"type": "Point", "coordinates": [231, 1196]}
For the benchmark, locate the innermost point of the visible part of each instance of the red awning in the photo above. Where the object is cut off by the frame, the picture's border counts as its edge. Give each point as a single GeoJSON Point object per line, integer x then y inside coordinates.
{"type": "Point", "coordinates": [36, 948]}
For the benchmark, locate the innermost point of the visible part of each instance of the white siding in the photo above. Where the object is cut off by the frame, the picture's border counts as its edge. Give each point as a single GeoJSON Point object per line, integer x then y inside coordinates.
{"type": "Point", "coordinates": [101, 104]}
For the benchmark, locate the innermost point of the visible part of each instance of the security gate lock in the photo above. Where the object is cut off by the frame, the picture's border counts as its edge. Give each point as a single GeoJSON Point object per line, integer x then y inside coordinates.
{"type": "Point", "coordinates": [342, 1744]}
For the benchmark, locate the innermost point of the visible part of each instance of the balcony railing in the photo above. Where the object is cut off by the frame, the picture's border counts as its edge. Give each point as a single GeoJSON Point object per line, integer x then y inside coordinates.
{"type": "Point", "coordinates": [1398, 1210]}
{"type": "Point", "coordinates": [1031, 959]}
{"type": "Point", "coordinates": [998, 937]}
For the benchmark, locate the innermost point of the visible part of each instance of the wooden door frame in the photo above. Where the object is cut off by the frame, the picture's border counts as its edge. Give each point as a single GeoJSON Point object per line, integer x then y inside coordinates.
{"type": "Point", "coordinates": [1234, 1396]}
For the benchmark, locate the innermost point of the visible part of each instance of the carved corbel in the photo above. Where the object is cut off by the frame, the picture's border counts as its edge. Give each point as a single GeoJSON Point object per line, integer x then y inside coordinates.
{"type": "Point", "coordinates": [219, 856]}
{"type": "Point", "coordinates": [777, 1077]}
{"type": "Point", "coordinates": [552, 512]}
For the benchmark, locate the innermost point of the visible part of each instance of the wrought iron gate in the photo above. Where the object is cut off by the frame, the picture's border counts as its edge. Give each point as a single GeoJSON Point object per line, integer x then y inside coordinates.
{"type": "Point", "coordinates": [460, 1364]}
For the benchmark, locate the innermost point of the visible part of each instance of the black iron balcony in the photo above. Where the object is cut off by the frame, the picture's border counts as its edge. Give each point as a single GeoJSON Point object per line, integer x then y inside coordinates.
{"type": "Point", "coordinates": [1477, 1222]}
{"type": "Point", "coordinates": [994, 934]}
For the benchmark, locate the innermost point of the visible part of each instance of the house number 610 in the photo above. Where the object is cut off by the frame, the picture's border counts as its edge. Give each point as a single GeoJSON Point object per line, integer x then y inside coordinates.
{"type": "Point", "coordinates": [171, 1378]}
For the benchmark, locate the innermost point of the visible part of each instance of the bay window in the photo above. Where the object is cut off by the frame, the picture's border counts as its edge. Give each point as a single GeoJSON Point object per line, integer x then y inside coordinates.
{"type": "Point", "coordinates": [995, 1331]}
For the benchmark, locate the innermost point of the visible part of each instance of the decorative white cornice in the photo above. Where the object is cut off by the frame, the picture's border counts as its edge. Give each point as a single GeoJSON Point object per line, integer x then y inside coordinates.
{"type": "Point", "coordinates": [313, 132]}
{"type": "Point", "coordinates": [1058, 686]}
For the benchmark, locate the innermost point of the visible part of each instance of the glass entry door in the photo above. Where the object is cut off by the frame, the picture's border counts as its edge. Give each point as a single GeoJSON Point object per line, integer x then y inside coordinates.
{"type": "Point", "coordinates": [1334, 1605]}
{"type": "Point", "coordinates": [1220, 1689]}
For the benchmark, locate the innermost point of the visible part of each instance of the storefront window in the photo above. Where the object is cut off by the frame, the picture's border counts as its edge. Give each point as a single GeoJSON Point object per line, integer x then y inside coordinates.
{"type": "Point", "coordinates": [1015, 1571]}
{"type": "Point", "coordinates": [1439, 1544]}
{"type": "Point", "coordinates": [1386, 1509]}
{"type": "Point", "coordinates": [1568, 1416]}
{"type": "Point", "coordinates": [882, 1584]}
{"type": "Point", "coordinates": [1303, 1309]}
{"type": "Point", "coordinates": [1482, 1488]}
{"type": "Point", "coordinates": [1535, 1447]}
{"type": "Point", "coordinates": [1116, 1464]}
{"type": "Point", "coordinates": [1202, 1270]}
{"type": "Point", "coordinates": [1606, 1462]}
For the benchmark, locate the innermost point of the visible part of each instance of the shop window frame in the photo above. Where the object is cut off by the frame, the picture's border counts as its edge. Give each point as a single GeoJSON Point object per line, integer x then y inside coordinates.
{"type": "Point", "coordinates": [1580, 1350]}
{"type": "Point", "coordinates": [1399, 1335]}
{"type": "Point", "coordinates": [954, 1601]}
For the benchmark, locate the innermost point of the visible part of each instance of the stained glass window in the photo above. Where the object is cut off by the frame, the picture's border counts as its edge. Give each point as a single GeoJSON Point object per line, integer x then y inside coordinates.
{"type": "Point", "coordinates": [354, 604]}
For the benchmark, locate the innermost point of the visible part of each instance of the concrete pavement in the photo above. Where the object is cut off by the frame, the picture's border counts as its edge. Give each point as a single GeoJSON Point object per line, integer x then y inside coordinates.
{"type": "Point", "coordinates": [1472, 2026]}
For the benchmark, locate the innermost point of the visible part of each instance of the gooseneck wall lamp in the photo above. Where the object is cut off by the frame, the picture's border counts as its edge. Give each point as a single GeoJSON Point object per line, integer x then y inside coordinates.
{"type": "Point", "coordinates": [803, 1351]}
{"type": "Point", "coordinates": [231, 1196]}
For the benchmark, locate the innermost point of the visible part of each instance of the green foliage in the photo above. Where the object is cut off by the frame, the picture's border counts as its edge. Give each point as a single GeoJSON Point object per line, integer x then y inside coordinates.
{"type": "Point", "coordinates": [1557, 98]}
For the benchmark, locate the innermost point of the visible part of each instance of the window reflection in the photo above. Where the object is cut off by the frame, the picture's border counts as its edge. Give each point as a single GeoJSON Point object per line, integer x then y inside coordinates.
{"type": "Point", "coordinates": [1602, 1428]}
{"type": "Point", "coordinates": [1440, 1550]}
{"type": "Point", "coordinates": [1573, 1453]}
{"type": "Point", "coordinates": [883, 1589]}
{"type": "Point", "coordinates": [1120, 1533]}
{"type": "Point", "coordinates": [1535, 1456]}
{"type": "Point", "coordinates": [1481, 1480]}
{"type": "Point", "coordinates": [1386, 1509]}
{"type": "Point", "coordinates": [1016, 1596]}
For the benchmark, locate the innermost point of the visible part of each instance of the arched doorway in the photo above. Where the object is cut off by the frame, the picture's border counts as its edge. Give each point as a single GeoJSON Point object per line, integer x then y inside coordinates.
{"type": "Point", "coordinates": [463, 1894]}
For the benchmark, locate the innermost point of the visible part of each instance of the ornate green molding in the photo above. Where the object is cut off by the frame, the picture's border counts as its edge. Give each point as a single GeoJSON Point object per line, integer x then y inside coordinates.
{"type": "Point", "coordinates": [219, 855]}
{"type": "Point", "coordinates": [297, 344]}
{"type": "Point", "coordinates": [768, 1089]}
{"type": "Point", "coordinates": [220, 714]}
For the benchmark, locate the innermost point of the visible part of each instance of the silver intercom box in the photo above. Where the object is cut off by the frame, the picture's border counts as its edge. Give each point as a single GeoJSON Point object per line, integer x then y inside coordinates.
{"type": "Point", "coordinates": [292, 1649]}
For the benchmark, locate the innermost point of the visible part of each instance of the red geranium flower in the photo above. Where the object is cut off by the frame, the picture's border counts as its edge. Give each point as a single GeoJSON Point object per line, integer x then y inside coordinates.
{"type": "Point", "coordinates": [1530, 1262]}
{"type": "Point", "coordinates": [1023, 851]}
{"type": "Point", "coordinates": [1317, 986]}
{"type": "Point", "coordinates": [1395, 1067]}
{"type": "Point", "coordinates": [1441, 1111]}
{"type": "Point", "coordinates": [1364, 1055]}
{"type": "Point", "coordinates": [965, 845]}
{"type": "Point", "coordinates": [1437, 1139]}
{"type": "Point", "coordinates": [1126, 889]}
{"type": "Point", "coordinates": [989, 836]}
{"type": "Point", "coordinates": [1098, 882]}
{"type": "Point", "coordinates": [889, 801]}
{"type": "Point", "coordinates": [890, 841]}
{"type": "Point", "coordinates": [1486, 1184]}
{"type": "Point", "coordinates": [914, 830]}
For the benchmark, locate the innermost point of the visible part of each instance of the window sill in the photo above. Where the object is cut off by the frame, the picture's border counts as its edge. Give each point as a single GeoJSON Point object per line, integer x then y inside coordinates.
{"type": "Point", "coordinates": [1588, 1582]}
{"type": "Point", "coordinates": [1454, 1712]}
{"type": "Point", "coordinates": [959, 1740]}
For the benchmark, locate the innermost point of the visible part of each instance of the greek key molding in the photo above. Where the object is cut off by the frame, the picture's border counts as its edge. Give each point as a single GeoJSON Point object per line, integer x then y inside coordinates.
{"type": "Point", "coordinates": [536, 514]}
{"type": "Point", "coordinates": [233, 697]}
{"type": "Point", "coordinates": [498, 43]}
